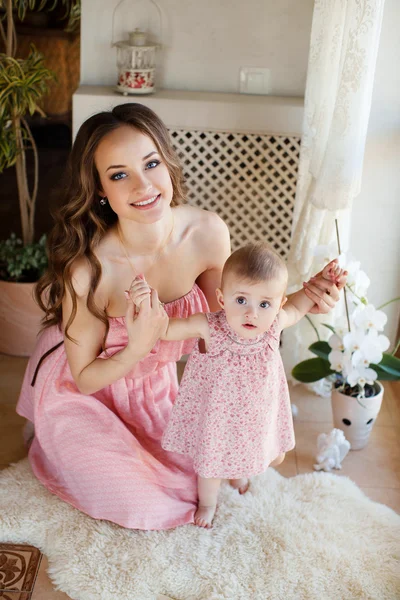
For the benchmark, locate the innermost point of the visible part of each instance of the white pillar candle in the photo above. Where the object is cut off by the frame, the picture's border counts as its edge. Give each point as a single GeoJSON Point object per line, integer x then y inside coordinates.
{"type": "Point", "coordinates": [138, 38]}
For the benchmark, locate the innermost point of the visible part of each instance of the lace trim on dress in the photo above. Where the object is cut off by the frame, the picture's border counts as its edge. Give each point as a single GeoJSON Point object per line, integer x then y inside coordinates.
{"type": "Point", "coordinates": [223, 338]}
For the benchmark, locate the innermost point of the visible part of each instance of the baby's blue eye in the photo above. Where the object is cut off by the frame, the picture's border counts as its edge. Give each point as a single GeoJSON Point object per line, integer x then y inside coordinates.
{"type": "Point", "coordinates": [265, 304]}
{"type": "Point", "coordinates": [118, 176]}
{"type": "Point", "coordinates": [241, 300]}
{"type": "Point", "coordinates": [152, 164]}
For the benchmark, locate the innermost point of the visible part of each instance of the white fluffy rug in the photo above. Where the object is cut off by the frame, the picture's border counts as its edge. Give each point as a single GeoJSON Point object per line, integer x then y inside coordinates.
{"type": "Point", "coordinates": [315, 536]}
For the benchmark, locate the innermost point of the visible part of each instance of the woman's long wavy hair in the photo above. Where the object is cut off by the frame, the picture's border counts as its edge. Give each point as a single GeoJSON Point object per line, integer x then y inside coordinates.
{"type": "Point", "coordinates": [81, 222]}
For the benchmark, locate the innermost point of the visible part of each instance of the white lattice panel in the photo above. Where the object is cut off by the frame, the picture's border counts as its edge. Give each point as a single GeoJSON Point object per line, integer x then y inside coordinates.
{"type": "Point", "coordinates": [248, 179]}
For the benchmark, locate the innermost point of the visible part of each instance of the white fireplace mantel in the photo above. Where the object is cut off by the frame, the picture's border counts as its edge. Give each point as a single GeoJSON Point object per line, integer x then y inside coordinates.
{"type": "Point", "coordinates": [200, 110]}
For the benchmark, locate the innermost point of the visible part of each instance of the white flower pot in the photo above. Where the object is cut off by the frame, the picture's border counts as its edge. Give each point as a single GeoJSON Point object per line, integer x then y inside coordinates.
{"type": "Point", "coordinates": [354, 420]}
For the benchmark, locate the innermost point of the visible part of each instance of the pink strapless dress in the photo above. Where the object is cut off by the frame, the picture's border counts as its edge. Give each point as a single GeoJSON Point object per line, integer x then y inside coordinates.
{"type": "Point", "coordinates": [102, 453]}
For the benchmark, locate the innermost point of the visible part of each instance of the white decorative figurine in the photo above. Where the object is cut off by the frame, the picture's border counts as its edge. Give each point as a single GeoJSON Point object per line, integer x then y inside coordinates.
{"type": "Point", "coordinates": [331, 448]}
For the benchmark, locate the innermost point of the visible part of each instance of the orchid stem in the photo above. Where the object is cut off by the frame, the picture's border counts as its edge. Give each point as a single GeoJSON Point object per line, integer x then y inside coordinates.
{"type": "Point", "coordinates": [389, 302]}
{"type": "Point", "coordinates": [360, 403]}
{"type": "Point", "coordinates": [344, 289]}
{"type": "Point", "coordinates": [354, 294]}
{"type": "Point", "coordinates": [313, 326]}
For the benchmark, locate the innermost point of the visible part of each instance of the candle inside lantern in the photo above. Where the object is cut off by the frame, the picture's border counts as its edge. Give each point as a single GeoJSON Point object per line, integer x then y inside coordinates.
{"type": "Point", "coordinates": [138, 38]}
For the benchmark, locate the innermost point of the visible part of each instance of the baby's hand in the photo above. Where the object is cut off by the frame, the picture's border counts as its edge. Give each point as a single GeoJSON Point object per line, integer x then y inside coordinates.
{"type": "Point", "coordinates": [139, 290]}
{"type": "Point", "coordinates": [332, 272]}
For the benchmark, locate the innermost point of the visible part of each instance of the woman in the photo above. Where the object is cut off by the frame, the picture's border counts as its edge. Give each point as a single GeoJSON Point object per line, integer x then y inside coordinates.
{"type": "Point", "coordinates": [103, 382]}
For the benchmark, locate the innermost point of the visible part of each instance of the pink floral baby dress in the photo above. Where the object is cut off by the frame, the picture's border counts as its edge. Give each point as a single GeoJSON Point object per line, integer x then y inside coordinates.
{"type": "Point", "coordinates": [232, 414]}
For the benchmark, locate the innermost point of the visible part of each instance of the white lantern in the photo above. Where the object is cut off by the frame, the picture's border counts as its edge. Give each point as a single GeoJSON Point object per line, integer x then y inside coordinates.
{"type": "Point", "coordinates": [136, 61]}
{"type": "Point", "coordinates": [136, 56]}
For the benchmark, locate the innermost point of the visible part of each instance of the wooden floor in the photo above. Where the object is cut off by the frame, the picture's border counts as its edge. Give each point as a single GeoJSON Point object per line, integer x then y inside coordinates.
{"type": "Point", "coordinates": [375, 469]}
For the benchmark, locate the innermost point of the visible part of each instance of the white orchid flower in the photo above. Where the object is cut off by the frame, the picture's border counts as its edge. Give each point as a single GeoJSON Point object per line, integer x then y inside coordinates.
{"type": "Point", "coordinates": [361, 284]}
{"type": "Point", "coordinates": [380, 340]}
{"type": "Point", "coordinates": [336, 359]}
{"type": "Point", "coordinates": [352, 352]}
{"type": "Point", "coordinates": [371, 349]}
{"type": "Point", "coordinates": [347, 365]}
{"type": "Point", "coordinates": [341, 327]}
{"type": "Point", "coordinates": [347, 262]}
{"type": "Point", "coordinates": [340, 361]}
{"type": "Point", "coordinates": [354, 340]}
{"type": "Point", "coordinates": [356, 312]}
{"type": "Point", "coordinates": [357, 280]}
{"type": "Point", "coordinates": [360, 376]}
{"type": "Point", "coordinates": [370, 318]}
{"type": "Point", "coordinates": [336, 342]}
{"type": "Point", "coordinates": [358, 359]}
{"type": "Point", "coordinates": [366, 356]}
{"type": "Point", "coordinates": [342, 260]}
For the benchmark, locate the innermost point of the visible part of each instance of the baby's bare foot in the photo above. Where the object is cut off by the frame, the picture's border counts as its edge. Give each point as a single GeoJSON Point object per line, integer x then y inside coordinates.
{"type": "Point", "coordinates": [242, 485]}
{"type": "Point", "coordinates": [204, 515]}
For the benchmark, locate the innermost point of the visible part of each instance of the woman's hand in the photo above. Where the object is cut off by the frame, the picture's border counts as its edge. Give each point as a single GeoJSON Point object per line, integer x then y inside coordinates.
{"type": "Point", "coordinates": [146, 321]}
{"type": "Point", "coordinates": [325, 292]}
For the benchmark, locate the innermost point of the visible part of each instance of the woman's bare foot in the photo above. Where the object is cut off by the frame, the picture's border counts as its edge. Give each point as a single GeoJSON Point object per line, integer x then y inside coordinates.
{"type": "Point", "coordinates": [204, 515]}
{"type": "Point", "coordinates": [242, 485]}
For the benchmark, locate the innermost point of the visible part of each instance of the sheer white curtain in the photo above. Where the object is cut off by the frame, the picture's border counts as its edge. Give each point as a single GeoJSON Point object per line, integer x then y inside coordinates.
{"type": "Point", "coordinates": [344, 45]}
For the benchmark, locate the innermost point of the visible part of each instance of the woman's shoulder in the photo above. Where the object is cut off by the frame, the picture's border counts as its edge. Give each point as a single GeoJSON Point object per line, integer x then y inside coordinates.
{"type": "Point", "coordinates": [208, 229]}
{"type": "Point", "coordinates": [201, 217]}
{"type": "Point", "coordinates": [81, 273]}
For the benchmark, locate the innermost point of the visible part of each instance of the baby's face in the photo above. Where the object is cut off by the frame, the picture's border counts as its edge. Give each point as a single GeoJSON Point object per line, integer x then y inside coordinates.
{"type": "Point", "coordinates": [250, 307]}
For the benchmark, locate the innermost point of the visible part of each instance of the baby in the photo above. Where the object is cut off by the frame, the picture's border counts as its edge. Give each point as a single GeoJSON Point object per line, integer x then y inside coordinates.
{"type": "Point", "coordinates": [232, 414]}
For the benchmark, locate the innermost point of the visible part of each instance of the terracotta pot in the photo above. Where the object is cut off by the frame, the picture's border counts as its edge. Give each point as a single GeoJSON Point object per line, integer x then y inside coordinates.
{"type": "Point", "coordinates": [19, 318]}
{"type": "Point", "coordinates": [356, 421]}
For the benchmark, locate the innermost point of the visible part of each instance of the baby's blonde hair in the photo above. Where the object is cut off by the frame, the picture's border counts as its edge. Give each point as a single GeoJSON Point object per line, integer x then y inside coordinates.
{"type": "Point", "coordinates": [255, 262]}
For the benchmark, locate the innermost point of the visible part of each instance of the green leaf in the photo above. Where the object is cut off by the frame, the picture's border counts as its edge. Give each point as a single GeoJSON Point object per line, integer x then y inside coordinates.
{"type": "Point", "coordinates": [321, 349]}
{"type": "Point", "coordinates": [22, 83]}
{"type": "Point", "coordinates": [312, 370]}
{"type": "Point", "coordinates": [383, 375]}
{"type": "Point", "coordinates": [22, 263]}
{"type": "Point", "coordinates": [390, 365]}
{"type": "Point", "coordinates": [329, 327]}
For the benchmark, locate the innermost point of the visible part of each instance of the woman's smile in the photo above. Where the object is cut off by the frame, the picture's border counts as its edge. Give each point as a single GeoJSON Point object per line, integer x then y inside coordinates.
{"type": "Point", "coordinates": [147, 204]}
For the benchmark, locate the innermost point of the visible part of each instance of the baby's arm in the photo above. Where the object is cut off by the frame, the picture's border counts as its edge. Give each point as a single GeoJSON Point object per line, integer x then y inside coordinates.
{"type": "Point", "coordinates": [195, 326]}
{"type": "Point", "coordinates": [299, 304]}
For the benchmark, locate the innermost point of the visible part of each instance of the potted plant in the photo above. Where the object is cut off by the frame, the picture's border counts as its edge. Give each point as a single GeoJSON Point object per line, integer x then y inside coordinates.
{"type": "Point", "coordinates": [23, 82]}
{"type": "Point", "coordinates": [354, 361]}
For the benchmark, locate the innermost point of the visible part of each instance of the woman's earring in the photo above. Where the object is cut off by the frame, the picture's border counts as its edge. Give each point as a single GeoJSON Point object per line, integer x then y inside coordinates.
{"type": "Point", "coordinates": [103, 201]}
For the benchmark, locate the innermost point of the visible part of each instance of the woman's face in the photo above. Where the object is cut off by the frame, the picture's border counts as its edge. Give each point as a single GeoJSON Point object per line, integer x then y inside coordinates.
{"type": "Point", "coordinates": [133, 175]}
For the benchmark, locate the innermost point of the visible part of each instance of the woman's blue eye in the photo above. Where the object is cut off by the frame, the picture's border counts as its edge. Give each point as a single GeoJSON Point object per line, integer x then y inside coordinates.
{"type": "Point", "coordinates": [265, 304]}
{"type": "Point", "coordinates": [241, 300]}
{"type": "Point", "coordinates": [152, 164]}
{"type": "Point", "coordinates": [118, 176]}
